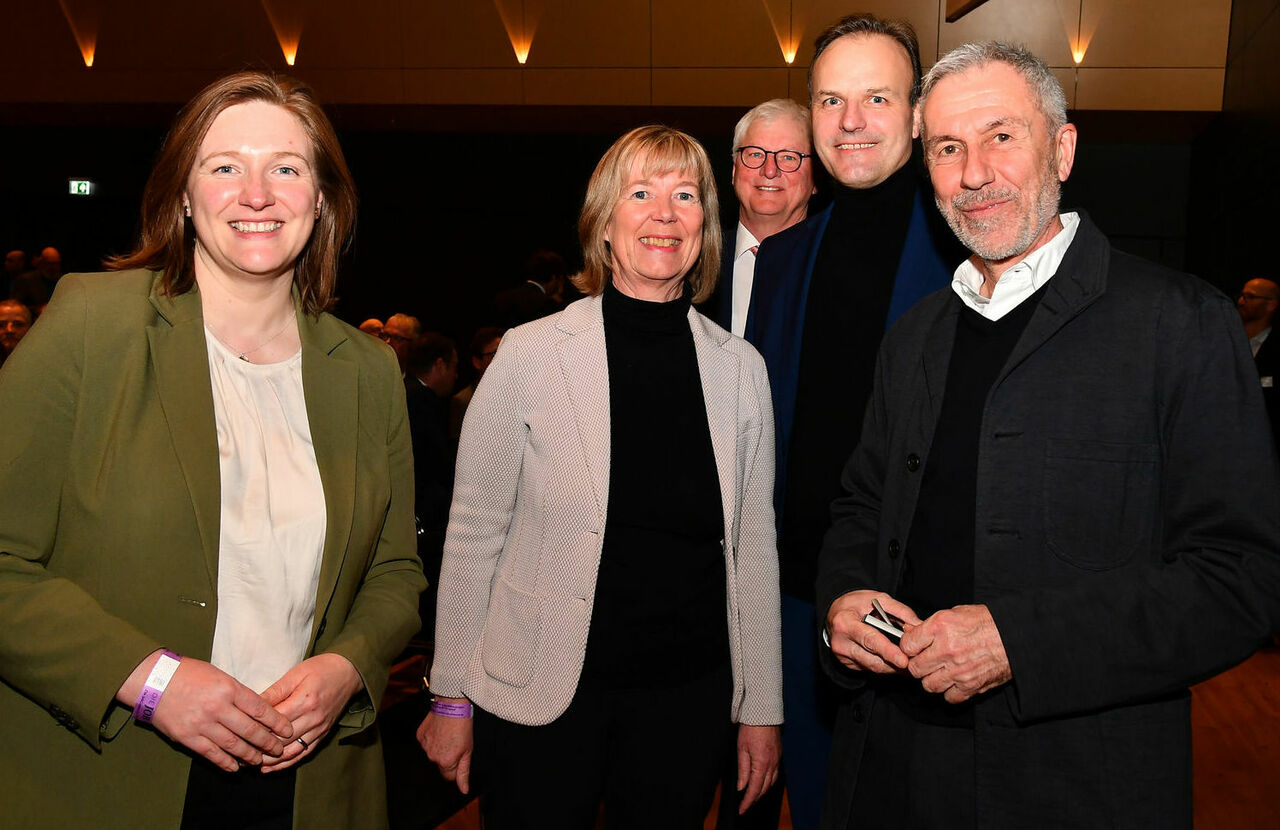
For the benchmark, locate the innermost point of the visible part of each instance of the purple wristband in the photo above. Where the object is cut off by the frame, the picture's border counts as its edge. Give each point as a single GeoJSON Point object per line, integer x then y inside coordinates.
{"type": "Point", "coordinates": [451, 710]}
{"type": "Point", "coordinates": [157, 682]}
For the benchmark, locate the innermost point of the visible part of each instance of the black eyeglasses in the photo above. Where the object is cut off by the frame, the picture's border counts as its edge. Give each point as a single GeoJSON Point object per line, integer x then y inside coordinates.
{"type": "Point", "coordinates": [788, 161]}
{"type": "Point", "coordinates": [1247, 295]}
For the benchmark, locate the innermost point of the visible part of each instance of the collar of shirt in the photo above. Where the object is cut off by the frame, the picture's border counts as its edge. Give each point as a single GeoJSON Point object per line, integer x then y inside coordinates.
{"type": "Point", "coordinates": [1020, 281]}
{"type": "Point", "coordinates": [1258, 339]}
{"type": "Point", "coordinates": [745, 241]}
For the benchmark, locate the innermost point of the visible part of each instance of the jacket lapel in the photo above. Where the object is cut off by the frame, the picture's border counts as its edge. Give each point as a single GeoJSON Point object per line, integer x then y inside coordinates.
{"type": "Point", "coordinates": [1079, 280]}
{"type": "Point", "coordinates": [719, 370]}
{"type": "Point", "coordinates": [585, 368]}
{"type": "Point", "coordinates": [331, 388]}
{"type": "Point", "coordinates": [181, 360]}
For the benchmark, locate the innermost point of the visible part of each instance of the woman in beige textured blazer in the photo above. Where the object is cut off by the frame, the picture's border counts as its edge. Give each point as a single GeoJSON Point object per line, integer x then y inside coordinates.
{"type": "Point", "coordinates": [609, 597]}
{"type": "Point", "coordinates": [207, 521]}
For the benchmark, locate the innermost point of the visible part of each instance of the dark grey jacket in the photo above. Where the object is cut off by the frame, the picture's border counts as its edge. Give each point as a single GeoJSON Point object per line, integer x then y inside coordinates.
{"type": "Point", "coordinates": [1127, 535]}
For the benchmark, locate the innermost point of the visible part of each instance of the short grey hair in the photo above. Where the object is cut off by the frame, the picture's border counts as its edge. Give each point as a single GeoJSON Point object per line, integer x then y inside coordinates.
{"type": "Point", "coordinates": [1048, 94]}
{"type": "Point", "coordinates": [770, 111]}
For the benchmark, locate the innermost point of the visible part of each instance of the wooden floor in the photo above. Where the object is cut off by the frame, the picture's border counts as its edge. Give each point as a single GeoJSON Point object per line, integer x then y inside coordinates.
{"type": "Point", "coordinates": [1236, 732]}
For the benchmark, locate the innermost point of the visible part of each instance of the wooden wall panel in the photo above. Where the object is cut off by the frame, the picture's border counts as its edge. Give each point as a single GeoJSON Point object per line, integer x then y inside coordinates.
{"type": "Point", "coordinates": [1149, 89]}
{"type": "Point", "coordinates": [586, 87]}
{"type": "Point", "coordinates": [717, 87]}
{"type": "Point", "coordinates": [462, 86]}
{"type": "Point", "coordinates": [1178, 33]}
{"type": "Point", "coordinates": [581, 33]}
{"type": "Point", "coordinates": [364, 35]}
{"type": "Point", "coordinates": [721, 33]}
{"type": "Point", "coordinates": [1067, 78]}
{"type": "Point", "coordinates": [447, 33]}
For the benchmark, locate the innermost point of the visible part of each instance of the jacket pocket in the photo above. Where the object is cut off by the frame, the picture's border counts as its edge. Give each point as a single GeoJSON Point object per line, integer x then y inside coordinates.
{"type": "Point", "coordinates": [1099, 501]}
{"type": "Point", "coordinates": [511, 634]}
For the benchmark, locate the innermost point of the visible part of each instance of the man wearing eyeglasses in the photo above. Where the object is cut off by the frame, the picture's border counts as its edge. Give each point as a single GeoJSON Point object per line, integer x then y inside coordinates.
{"type": "Point", "coordinates": [1257, 305]}
{"type": "Point", "coordinates": [773, 180]}
{"type": "Point", "coordinates": [825, 290]}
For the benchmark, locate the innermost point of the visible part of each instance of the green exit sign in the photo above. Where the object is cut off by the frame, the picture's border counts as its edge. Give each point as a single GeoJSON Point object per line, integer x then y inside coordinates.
{"type": "Point", "coordinates": [82, 187]}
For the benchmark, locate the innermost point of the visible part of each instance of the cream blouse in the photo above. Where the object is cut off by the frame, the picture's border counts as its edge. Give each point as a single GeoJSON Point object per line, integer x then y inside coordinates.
{"type": "Point", "coordinates": [273, 517]}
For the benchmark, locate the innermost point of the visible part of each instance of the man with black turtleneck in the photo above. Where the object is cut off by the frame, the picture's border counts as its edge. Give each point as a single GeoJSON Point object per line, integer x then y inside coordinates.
{"type": "Point", "coordinates": [825, 291]}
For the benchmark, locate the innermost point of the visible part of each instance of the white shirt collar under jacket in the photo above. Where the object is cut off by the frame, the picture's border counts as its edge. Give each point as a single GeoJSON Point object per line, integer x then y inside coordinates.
{"type": "Point", "coordinates": [1019, 282]}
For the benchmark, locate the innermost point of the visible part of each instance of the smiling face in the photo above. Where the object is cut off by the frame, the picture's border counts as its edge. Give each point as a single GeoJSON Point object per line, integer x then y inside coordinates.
{"type": "Point", "coordinates": [862, 119]}
{"type": "Point", "coordinates": [996, 170]}
{"type": "Point", "coordinates": [252, 194]}
{"type": "Point", "coordinates": [767, 196]}
{"type": "Point", "coordinates": [655, 233]}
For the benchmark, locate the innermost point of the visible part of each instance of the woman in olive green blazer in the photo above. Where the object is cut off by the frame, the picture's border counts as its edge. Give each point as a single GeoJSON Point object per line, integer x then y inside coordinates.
{"type": "Point", "coordinates": [110, 520]}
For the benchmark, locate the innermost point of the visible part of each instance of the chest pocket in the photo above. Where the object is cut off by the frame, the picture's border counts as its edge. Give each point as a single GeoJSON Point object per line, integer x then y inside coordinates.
{"type": "Point", "coordinates": [1099, 501]}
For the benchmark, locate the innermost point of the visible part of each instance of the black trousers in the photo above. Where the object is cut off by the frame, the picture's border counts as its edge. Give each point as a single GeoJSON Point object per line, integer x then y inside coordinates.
{"type": "Point", "coordinates": [242, 800]}
{"type": "Point", "coordinates": [914, 775]}
{"type": "Point", "coordinates": [652, 756]}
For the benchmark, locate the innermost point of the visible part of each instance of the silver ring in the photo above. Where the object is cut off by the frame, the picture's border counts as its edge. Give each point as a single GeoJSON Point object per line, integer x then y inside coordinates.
{"type": "Point", "coordinates": [305, 745]}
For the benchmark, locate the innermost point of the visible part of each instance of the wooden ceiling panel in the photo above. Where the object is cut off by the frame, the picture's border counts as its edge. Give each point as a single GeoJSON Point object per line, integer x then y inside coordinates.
{"type": "Point", "coordinates": [1156, 33]}
{"type": "Point", "coordinates": [1046, 27]}
{"type": "Point", "coordinates": [586, 33]}
{"type": "Point", "coordinates": [751, 33]}
{"type": "Point", "coordinates": [444, 33]}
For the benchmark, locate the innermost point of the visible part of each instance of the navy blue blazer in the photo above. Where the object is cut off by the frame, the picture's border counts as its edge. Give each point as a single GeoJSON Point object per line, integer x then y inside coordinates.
{"type": "Point", "coordinates": [780, 292]}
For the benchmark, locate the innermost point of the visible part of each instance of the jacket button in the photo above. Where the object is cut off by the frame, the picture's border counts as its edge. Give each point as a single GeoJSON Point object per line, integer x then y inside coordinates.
{"type": "Point", "coordinates": [858, 715]}
{"type": "Point", "coordinates": [913, 462]}
{"type": "Point", "coordinates": [895, 548]}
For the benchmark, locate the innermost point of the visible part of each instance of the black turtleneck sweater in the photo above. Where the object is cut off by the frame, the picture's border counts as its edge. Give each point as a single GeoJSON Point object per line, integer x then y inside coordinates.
{"type": "Point", "coordinates": [659, 614]}
{"type": "Point", "coordinates": [848, 303]}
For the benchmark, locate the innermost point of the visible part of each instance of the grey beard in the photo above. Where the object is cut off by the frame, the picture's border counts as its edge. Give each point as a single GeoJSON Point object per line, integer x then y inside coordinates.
{"type": "Point", "coordinates": [1033, 223]}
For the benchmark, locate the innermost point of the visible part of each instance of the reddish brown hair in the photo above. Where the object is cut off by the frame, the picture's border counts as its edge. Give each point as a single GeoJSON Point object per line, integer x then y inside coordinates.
{"type": "Point", "coordinates": [167, 239]}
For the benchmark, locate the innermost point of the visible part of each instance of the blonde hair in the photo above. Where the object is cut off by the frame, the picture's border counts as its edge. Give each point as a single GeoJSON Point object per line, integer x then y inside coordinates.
{"type": "Point", "coordinates": [659, 150]}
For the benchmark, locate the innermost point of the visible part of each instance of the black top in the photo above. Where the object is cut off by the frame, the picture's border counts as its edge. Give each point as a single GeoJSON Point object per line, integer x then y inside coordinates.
{"type": "Point", "coordinates": [938, 568]}
{"type": "Point", "coordinates": [845, 313]}
{"type": "Point", "coordinates": [660, 599]}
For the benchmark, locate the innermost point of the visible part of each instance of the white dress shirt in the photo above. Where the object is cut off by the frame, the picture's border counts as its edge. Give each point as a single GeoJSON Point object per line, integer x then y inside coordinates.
{"type": "Point", "coordinates": [1020, 281]}
{"type": "Point", "coordinates": [744, 272]}
{"type": "Point", "coordinates": [272, 528]}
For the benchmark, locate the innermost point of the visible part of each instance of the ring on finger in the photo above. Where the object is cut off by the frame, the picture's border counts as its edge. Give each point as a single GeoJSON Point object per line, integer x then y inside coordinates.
{"type": "Point", "coordinates": [305, 745]}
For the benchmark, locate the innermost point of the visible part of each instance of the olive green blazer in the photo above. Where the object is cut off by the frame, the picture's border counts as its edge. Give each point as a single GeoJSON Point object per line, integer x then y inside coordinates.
{"type": "Point", "coordinates": [109, 521]}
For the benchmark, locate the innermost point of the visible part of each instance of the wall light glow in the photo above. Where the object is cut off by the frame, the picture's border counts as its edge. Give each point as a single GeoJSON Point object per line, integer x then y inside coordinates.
{"type": "Point", "coordinates": [287, 18]}
{"type": "Point", "coordinates": [786, 28]}
{"type": "Point", "coordinates": [520, 19]}
{"type": "Point", "coordinates": [82, 17]}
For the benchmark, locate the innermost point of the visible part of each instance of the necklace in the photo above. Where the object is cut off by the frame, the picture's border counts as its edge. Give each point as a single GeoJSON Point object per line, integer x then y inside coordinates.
{"type": "Point", "coordinates": [244, 355]}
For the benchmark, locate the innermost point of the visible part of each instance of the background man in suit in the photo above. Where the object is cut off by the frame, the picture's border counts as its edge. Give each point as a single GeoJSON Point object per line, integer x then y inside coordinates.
{"type": "Point", "coordinates": [541, 293]}
{"type": "Point", "coordinates": [399, 332]}
{"type": "Point", "coordinates": [1046, 492]}
{"type": "Point", "coordinates": [773, 187]}
{"type": "Point", "coordinates": [1257, 306]}
{"type": "Point", "coordinates": [428, 384]}
{"type": "Point", "coordinates": [824, 291]}
{"type": "Point", "coordinates": [15, 320]}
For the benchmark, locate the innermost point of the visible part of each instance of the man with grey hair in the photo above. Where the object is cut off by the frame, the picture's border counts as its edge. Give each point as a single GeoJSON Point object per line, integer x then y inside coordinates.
{"type": "Point", "coordinates": [773, 180]}
{"type": "Point", "coordinates": [1045, 502]}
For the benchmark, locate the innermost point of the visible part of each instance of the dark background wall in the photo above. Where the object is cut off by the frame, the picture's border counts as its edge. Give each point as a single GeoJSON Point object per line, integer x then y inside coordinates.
{"type": "Point", "coordinates": [454, 198]}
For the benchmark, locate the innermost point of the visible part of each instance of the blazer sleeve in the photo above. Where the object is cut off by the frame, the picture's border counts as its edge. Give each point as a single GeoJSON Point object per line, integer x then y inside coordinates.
{"type": "Point", "coordinates": [384, 613]}
{"type": "Point", "coordinates": [1210, 594]}
{"type": "Point", "coordinates": [58, 646]}
{"type": "Point", "coordinates": [486, 480]}
{"type": "Point", "coordinates": [757, 568]}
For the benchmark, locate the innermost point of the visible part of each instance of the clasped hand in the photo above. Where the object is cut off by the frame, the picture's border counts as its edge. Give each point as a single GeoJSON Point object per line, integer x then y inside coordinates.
{"type": "Point", "coordinates": [957, 652]}
{"type": "Point", "coordinates": [214, 715]}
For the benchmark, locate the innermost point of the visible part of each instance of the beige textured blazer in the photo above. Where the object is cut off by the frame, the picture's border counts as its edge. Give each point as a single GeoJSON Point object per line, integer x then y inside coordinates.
{"type": "Point", "coordinates": [528, 517]}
